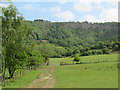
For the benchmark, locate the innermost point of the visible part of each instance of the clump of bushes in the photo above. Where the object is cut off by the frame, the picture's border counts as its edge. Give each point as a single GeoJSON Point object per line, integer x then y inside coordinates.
{"type": "Point", "coordinates": [105, 50]}
{"type": "Point", "coordinates": [96, 52]}
{"type": "Point", "coordinates": [76, 58]}
{"type": "Point", "coordinates": [99, 52]}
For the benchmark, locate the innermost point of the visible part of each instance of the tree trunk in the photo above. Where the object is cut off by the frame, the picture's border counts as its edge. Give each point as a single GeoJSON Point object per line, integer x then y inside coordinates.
{"type": "Point", "coordinates": [11, 72]}
{"type": "Point", "coordinates": [3, 76]}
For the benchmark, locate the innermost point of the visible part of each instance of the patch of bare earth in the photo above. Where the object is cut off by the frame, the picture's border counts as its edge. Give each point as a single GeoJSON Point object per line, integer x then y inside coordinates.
{"type": "Point", "coordinates": [45, 80]}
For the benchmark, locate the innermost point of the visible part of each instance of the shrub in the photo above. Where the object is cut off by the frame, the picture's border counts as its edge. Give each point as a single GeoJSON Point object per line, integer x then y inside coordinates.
{"type": "Point", "coordinates": [94, 52]}
{"type": "Point", "coordinates": [86, 54]}
{"type": "Point", "coordinates": [100, 52]}
{"type": "Point", "coordinates": [76, 58]}
{"type": "Point", "coordinates": [116, 48]}
{"type": "Point", "coordinates": [106, 51]}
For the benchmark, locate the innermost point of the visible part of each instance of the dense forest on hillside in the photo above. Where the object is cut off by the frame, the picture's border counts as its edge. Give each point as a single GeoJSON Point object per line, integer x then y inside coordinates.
{"type": "Point", "coordinates": [77, 37]}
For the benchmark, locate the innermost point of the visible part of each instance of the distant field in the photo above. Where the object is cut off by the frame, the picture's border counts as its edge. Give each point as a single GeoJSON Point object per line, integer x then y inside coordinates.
{"type": "Point", "coordinates": [86, 59]}
{"type": "Point", "coordinates": [94, 75]}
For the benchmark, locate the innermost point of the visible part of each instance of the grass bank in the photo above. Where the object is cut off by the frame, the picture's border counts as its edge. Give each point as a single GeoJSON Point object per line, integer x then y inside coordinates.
{"type": "Point", "coordinates": [23, 81]}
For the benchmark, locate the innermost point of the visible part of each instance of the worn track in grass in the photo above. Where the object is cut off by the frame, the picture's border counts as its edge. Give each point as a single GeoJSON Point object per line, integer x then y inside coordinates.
{"type": "Point", "coordinates": [45, 80]}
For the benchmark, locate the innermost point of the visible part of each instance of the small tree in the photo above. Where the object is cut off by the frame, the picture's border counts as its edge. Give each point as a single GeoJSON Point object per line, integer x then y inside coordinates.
{"type": "Point", "coordinates": [94, 52]}
{"type": "Point", "coordinates": [34, 59]}
{"type": "Point", "coordinates": [100, 52]}
{"type": "Point", "coordinates": [46, 51]}
{"type": "Point", "coordinates": [105, 50]}
{"type": "Point", "coordinates": [76, 58]}
{"type": "Point", "coordinates": [116, 48]}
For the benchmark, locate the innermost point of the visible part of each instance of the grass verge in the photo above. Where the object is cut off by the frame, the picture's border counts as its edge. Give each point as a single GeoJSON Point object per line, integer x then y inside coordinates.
{"type": "Point", "coordinates": [23, 81]}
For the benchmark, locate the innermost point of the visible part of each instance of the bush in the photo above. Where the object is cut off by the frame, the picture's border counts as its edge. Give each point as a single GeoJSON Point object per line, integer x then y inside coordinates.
{"type": "Point", "coordinates": [90, 53]}
{"type": "Point", "coordinates": [94, 52]}
{"type": "Point", "coordinates": [116, 48]}
{"type": "Point", "coordinates": [100, 52]}
{"type": "Point", "coordinates": [106, 51]}
{"type": "Point", "coordinates": [76, 58]}
{"type": "Point", "coordinates": [85, 54]}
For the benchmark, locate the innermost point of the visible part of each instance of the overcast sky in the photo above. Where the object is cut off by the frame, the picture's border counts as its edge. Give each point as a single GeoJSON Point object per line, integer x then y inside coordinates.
{"type": "Point", "coordinates": [68, 10]}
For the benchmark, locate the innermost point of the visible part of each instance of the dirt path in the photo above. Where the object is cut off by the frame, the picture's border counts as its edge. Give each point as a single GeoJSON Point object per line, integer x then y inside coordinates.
{"type": "Point", "coordinates": [45, 80]}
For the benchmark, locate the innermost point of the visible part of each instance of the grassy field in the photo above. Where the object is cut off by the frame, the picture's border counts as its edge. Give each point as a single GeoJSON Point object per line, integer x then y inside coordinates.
{"type": "Point", "coordinates": [99, 71]}
{"type": "Point", "coordinates": [93, 75]}
{"type": "Point", "coordinates": [86, 59]}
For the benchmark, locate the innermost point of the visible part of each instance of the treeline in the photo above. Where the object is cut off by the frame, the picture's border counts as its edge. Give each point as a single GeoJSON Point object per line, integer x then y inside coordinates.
{"type": "Point", "coordinates": [72, 33]}
{"type": "Point", "coordinates": [94, 49]}
{"type": "Point", "coordinates": [78, 37]}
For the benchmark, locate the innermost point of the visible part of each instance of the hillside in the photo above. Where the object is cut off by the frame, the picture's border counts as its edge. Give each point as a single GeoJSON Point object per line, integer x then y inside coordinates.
{"type": "Point", "coordinates": [68, 32]}
{"type": "Point", "coordinates": [76, 37]}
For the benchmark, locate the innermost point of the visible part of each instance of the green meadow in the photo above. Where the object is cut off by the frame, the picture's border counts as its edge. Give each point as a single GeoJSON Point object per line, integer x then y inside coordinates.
{"type": "Point", "coordinates": [98, 71]}
{"type": "Point", "coordinates": [102, 74]}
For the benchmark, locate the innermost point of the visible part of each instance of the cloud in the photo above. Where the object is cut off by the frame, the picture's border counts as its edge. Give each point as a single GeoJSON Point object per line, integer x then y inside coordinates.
{"type": "Point", "coordinates": [62, 2]}
{"type": "Point", "coordinates": [90, 18]}
{"type": "Point", "coordinates": [55, 9]}
{"type": "Point", "coordinates": [106, 13]}
{"type": "Point", "coordinates": [87, 5]}
{"type": "Point", "coordinates": [113, 3]}
{"type": "Point", "coordinates": [109, 15]}
{"type": "Point", "coordinates": [112, 0]}
{"type": "Point", "coordinates": [28, 7]}
{"type": "Point", "coordinates": [67, 15]}
{"type": "Point", "coordinates": [4, 5]}
{"type": "Point", "coordinates": [83, 6]}
{"type": "Point", "coordinates": [36, 7]}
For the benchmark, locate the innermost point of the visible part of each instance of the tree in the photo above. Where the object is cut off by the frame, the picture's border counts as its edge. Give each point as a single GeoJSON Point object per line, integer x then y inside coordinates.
{"type": "Point", "coordinates": [46, 50]}
{"type": "Point", "coordinates": [76, 51]}
{"type": "Point", "coordinates": [76, 58]}
{"type": "Point", "coordinates": [34, 59]}
{"type": "Point", "coordinates": [94, 52]}
{"type": "Point", "coordinates": [14, 36]}
{"type": "Point", "coordinates": [99, 52]}
{"type": "Point", "coordinates": [116, 48]}
{"type": "Point", "coordinates": [59, 52]}
{"type": "Point", "coordinates": [105, 50]}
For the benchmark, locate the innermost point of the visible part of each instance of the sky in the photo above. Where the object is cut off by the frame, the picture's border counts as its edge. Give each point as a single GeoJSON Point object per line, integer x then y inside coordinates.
{"type": "Point", "coordinates": [68, 10]}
